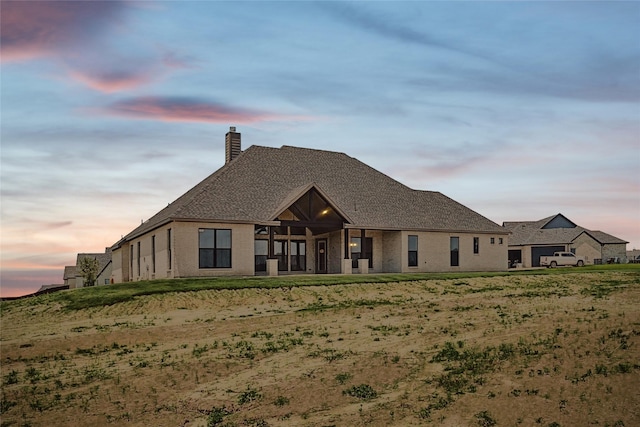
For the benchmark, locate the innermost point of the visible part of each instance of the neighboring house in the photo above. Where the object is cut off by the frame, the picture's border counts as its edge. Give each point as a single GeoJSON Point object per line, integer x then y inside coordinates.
{"type": "Point", "coordinates": [69, 276]}
{"type": "Point", "coordinates": [530, 240]}
{"type": "Point", "coordinates": [297, 210]}
{"type": "Point", "coordinates": [104, 268]}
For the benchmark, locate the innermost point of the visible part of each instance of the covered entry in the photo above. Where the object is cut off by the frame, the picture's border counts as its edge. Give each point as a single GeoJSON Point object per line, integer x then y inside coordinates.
{"type": "Point", "coordinates": [298, 234]}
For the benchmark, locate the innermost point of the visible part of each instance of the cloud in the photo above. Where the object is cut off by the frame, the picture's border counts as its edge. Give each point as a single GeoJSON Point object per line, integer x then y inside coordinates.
{"type": "Point", "coordinates": [109, 81]}
{"type": "Point", "coordinates": [178, 109]}
{"type": "Point", "coordinates": [32, 29]}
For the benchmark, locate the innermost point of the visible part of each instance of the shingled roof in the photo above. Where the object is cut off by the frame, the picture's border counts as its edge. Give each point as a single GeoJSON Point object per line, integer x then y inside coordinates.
{"type": "Point", "coordinates": [535, 233]}
{"type": "Point", "coordinates": [254, 187]}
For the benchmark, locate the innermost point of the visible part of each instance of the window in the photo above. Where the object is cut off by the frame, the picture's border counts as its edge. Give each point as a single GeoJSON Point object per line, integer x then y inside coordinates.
{"type": "Point", "coordinates": [298, 255]}
{"type": "Point", "coordinates": [493, 240]}
{"type": "Point", "coordinates": [106, 281]}
{"type": "Point", "coordinates": [215, 248]}
{"type": "Point", "coordinates": [280, 252]}
{"type": "Point", "coordinates": [261, 229]}
{"type": "Point", "coordinates": [356, 250]}
{"type": "Point", "coordinates": [153, 254]}
{"type": "Point", "coordinates": [169, 248]}
{"type": "Point", "coordinates": [454, 245]}
{"type": "Point", "coordinates": [261, 253]}
{"type": "Point", "coordinates": [138, 258]}
{"type": "Point", "coordinates": [476, 245]}
{"type": "Point", "coordinates": [500, 240]}
{"type": "Point", "coordinates": [413, 251]}
{"type": "Point", "coordinates": [131, 261]}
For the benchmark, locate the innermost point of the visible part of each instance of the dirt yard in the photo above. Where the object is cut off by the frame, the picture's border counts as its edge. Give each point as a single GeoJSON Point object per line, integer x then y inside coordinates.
{"type": "Point", "coordinates": [549, 350]}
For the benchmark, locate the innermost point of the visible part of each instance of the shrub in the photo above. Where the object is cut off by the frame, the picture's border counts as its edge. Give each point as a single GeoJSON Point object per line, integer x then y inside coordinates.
{"type": "Point", "coordinates": [362, 391]}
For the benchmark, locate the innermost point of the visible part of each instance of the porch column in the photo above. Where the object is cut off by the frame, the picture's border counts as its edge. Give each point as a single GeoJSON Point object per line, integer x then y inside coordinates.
{"type": "Point", "coordinates": [347, 247]}
{"type": "Point", "coordinates": [363, 262]}
{"type": "Point", "coordinates": [347, 268]}
{"type": "Point", "coordinates": [272, 261]}
{"type": "Point", "coordinates": [271, 235]}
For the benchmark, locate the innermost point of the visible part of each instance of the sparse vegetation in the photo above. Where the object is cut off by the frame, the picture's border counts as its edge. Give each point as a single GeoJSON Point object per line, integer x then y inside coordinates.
{"type": "Point", "coordinates": [440, 348]}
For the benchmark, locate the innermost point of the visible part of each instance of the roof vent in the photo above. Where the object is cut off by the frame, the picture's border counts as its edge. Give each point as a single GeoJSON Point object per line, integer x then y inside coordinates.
{"type": "Point", "coordinates": [232, 145]}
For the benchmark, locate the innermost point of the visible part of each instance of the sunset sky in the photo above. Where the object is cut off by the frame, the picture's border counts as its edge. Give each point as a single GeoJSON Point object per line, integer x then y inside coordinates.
{"type": "Point", "coordinates": [111, 110]}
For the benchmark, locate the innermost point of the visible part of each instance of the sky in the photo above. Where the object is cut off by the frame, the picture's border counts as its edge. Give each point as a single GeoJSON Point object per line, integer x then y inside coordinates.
{"type": "Point", "coordinates": [111, 110]}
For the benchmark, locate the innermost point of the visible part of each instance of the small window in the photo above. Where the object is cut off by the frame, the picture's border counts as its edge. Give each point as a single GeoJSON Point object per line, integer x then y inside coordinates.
{"type": "Point", "coordinates": [500, 240]}
{"type": "Point", "coordinates": [476, 245]}
{"type": "Point", "coordinates": [215, 248]}
{"type": "Point", "coordinates": [493, 240]}
{"type": "Point", "coordinates": [454, 247]}
{"type": "Point", "coordinates": [169, 248]}
{"type": "Point", "coordinates": [413, 251]}
{"type": "Point", "coordinates": [153, 254]}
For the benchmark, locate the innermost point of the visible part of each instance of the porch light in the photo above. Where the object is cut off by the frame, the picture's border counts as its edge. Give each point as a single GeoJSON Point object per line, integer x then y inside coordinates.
{"type": "Point", "coordinates": [324, 212]}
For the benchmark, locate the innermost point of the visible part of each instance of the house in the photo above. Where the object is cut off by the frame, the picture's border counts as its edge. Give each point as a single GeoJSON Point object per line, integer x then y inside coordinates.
{"type": "Point", "coordinates": [69, 276]}
{"type": "Point", "coordinates": [530, 240]}
{"type": "Point", "coordinates": [298, 210]}
{"type": "Point", "coordinates": [104, 268]}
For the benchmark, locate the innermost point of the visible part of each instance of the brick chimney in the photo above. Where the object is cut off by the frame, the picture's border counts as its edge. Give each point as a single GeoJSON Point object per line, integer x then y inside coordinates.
{"type": "Point", "coordinates": [232, 145]}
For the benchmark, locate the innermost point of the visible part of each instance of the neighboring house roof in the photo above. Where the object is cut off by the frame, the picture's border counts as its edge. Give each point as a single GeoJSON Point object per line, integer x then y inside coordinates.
{"type": "Point", "coordinates": [604, 238]}
{"type": "Point", "coordinates": [104, 259]}
{"type": "Point", "coordinates": [258, 184]}
{"type": "Point", "coordinates": [69, 272]}
{"type": "Point", "coordinates": [537, 232]}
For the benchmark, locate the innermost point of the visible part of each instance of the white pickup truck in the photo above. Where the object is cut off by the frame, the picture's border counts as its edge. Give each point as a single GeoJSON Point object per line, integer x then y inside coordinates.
{"type": "Point", "coordinates": [561, 258]}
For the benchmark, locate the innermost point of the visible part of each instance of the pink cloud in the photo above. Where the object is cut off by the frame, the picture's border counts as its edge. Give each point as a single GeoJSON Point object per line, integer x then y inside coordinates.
{"type": "Point", "coordinates": [172, 109]}
{"type": "Point", "coordinates": [32, 29]}
{"type": "Point", "coordinates": [112, 81]}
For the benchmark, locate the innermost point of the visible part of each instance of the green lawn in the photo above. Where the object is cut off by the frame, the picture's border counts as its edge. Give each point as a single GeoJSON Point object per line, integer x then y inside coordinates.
{"type": "Point", "coordinates": [107, 295]}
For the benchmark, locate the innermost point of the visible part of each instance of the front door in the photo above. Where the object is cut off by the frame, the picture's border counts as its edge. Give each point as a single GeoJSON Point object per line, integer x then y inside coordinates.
{"type": "Point", "coordinates": [321, 256]}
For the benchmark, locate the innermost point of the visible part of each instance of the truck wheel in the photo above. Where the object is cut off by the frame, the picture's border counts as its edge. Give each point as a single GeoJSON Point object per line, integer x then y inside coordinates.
{"type": "Point", "coordinates": [580, 263]}
{"type": "Point", "coordinates": [553, 264]}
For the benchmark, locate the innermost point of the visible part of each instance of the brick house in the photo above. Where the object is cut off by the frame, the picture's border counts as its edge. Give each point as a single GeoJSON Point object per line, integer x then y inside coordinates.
{"type": "Point", "coordinates": [295, 210]}
{"type": "Point", "coordinates": [530, 240]}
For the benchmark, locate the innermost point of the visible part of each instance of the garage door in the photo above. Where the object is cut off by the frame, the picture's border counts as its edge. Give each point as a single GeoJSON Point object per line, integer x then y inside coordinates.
{"type": "Point", "coordinates": [538, 251]}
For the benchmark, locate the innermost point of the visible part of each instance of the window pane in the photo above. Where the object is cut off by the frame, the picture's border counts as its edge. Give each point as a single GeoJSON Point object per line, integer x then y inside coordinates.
{"type": "Point", "coordinates": [223, 258]}
{"type": "Point", "coordinates": [302, 248]}
{"type": "Point", "coordinates": [413, 243]}
{"type": "Point", "coordinates": [261, 247]}
{"type": "Point", "coordinates": [413, 258]}
{"type": "Point", "coordinates": [454, 243]}
{"type": "Point", "coordinates": [207, 238]}
{"type": "Point", "coordinates": [206, 258]}
{"type": "Point", "coordinates": [223, 239]}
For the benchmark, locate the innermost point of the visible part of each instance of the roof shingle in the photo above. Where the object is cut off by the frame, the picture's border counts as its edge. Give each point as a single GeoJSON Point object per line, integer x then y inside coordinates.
{"type": "Point", "coordinates": [254, 186]}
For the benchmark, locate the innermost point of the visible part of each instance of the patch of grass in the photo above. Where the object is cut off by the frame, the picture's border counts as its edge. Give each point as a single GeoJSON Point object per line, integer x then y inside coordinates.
{"type": "Point", "coordinates": [248, 396]}
{"type": "Point", "coordinates": [484, 419]}
{"type": "Point", "coordinates": [362, 391]}
{"type": "Point", "coordinates": [343, 377]}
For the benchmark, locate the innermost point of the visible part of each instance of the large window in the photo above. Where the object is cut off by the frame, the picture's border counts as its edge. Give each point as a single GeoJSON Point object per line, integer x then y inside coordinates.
{"type": "Point", "coordinates": [261, 253]}
{"type": "Point", "coordinates": [476, 245]}
{"type": "Point", "coordinates": [357, 250]}
{"type": "Point", "coordinates": [454, 245]}
{"type": "Point", "coordinates": [413, 251]}
{"type": "Point", "coordinates": [215, 248]}
{"type": "Point", "coordinates": [280, 252]}
{"type": "Point", "coordinates": [298, 255]}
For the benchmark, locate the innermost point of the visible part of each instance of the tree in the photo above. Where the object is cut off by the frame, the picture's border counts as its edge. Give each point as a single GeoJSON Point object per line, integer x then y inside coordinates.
{"type": "Point", "coordinates": [88, 269]}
